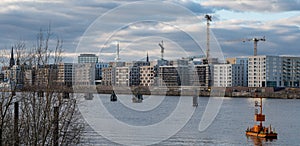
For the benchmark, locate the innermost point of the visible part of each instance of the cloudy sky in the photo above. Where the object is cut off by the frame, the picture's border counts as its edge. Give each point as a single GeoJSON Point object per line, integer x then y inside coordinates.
{"type": "Point", "coordinates": [96, 26]}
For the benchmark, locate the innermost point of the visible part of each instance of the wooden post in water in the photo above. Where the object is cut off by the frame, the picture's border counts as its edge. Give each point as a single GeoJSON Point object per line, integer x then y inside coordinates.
{"type": "Point", "coordinates": [195, 99]}
{"type": "Point", "coordinates": [16, 123]}
{"type": "Point", "coordinates": [55, 123]}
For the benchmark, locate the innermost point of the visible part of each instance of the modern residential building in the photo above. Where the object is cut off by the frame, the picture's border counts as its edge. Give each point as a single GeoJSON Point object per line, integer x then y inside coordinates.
{"type": "Point", "coordinates": [265, 71]}
{"type": "Point", "coordinates": [84, 74]}
{"type": "Point", "coordinates": [122, 76]}
{"type": "Point", "coordinates": [87, 58]}
{"type": "Point", "coordinates": [65, 74]}
{"type": "Point", "coordinates": [147, 76]}
{"type": "Point", "coordinates": [228, 75]}
{"type": "Point", "coordinates": [108, 76]}
{"type": "Point", "coordinates": [45, 75]}
{"type": "Point", "coordinates": [202, 75]}
{"type": "Point", "coordinates": [130, 75]}
{"type": "Point", "coordinates": [174, 73]}
{"type": "Point", "coordinates": [28, 77]}
{"type": "Point", "coordinates": [135, 72]}
{"type": "Point", "coordinates": [168, 76]}
{"type": "Point", "coordinates": [98, 69]}
{"type": "Point", "coordinates": [244, 62]}
{"type": "Point", "coordinates": [290, 71]}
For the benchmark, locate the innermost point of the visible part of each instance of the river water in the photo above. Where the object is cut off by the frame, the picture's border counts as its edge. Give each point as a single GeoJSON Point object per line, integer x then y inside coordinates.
{"type": "Point", "coordinates": [227, 128]}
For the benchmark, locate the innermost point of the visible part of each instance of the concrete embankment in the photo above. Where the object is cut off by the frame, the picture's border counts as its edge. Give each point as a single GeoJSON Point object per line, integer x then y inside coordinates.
{"type": "Point", "coordinates": [247, 92]}
{"type": "Point", "coordinates": [266, 92]}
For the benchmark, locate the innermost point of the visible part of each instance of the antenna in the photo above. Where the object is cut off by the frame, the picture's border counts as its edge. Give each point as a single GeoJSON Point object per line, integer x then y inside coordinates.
{"type": "Point", "coordinates": [118, 52]}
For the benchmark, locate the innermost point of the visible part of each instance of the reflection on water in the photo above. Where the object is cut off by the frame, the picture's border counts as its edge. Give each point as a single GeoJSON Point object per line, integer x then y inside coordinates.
{"type": "Point", "coordinates": [235, 115]}
{"type": "Point", "coordinates": [257, 141]}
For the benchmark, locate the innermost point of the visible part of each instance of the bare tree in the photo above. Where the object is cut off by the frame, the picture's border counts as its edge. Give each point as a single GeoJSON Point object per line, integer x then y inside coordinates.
{"type": "Point", "coordinates": [37, 124]}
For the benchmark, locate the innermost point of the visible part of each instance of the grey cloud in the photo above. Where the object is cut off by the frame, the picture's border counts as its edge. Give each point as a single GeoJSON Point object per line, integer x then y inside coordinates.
{"type": "Point", "coordinates": [70, 19]}
{"type": "Point", "coordinates": [250, 5]}
{"type": "Point", "coordinates": [194, 7]}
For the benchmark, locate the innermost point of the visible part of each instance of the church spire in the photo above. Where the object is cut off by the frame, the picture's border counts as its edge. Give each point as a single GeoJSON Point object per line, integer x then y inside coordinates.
{"type": "Point", "coordinates": [147, 59]}
{"type": "Point", "coordinates": [12, 60]}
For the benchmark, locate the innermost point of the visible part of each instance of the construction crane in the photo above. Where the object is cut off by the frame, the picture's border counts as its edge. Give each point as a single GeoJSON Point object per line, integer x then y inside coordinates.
{"type": "Point", "coordinates": [255, 40]}
{"type": "Point", "coordinates": [208, 19]}
{"type": "Point", "coordinates": [162, 49]}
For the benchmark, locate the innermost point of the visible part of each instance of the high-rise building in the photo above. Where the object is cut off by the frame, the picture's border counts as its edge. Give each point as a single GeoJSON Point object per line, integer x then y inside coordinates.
{"type": "Point", "coordinates": [87, 58]}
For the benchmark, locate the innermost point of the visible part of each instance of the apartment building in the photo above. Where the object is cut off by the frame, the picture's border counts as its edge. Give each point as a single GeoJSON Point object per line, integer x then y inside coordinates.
{"type": "Point", "coordinates": [147, 75]}
{"type": "Point", "coordinates": [290, 71]}
{"type": "Point", "coordinates": [244, 62]}
{"type": "Point", "coordinates": [265, 71]}
{"type": "Point", "coordinates": [228, 75]}
{"type": "Point", "coordinates": [122, 76]}
{"type": "Point", "coordinates": [84, 74]}
{"type": "Point", "coordinates": [65, 74]}
{"type": "Point", "coordinates": [202, 76]}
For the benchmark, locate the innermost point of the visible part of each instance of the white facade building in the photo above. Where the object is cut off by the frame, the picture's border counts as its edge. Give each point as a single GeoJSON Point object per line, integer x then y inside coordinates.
{"type": "Point", "coordinates": [228, 75]}
{"type": "Point", "coordinates": [264, 71]}
{"type": "Point", "coordinates": [122, 76]}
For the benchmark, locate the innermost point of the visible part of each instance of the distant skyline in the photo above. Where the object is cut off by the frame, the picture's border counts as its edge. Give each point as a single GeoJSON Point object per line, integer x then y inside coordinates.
{"type": "Point", "coordinates": [277, 20]}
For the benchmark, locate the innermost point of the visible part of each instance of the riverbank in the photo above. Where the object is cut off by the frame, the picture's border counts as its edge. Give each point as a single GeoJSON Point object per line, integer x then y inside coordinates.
{"type": "Point", "coordinates": [247, 92]}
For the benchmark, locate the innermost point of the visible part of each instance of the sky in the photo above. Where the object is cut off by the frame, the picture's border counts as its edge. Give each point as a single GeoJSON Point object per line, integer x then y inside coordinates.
{"type": "Point", "coordinates": [96, 26]}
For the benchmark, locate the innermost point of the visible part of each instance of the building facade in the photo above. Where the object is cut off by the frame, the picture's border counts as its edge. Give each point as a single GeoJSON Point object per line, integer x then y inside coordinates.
{"type": "Point", "coordinates": [168, 76]}
{"type": "Point", "coordinates": [228, 75]}
{"type": "Point", "coordinates": [147, 76]}
{"type": "Point", "coordinates": [65, 74]}
{"type": "Point", "coordinates": [290, 71]}
{"type": "Point", "coordinates": [264, 71]}
{"type": "Point", "coordinates": [202, 75]}
{"type": "Point", "coordinates": [84, 74]}
{"type": "Point", "coordinates": [244, 62]}
{"type": "Point", "coordinates": [98, 71]}
{"type": "Point", "coordinates": [122, 76]}
{"type": "Point", "coordinates": [108, 76]}
{"type": "Point", "coordinates": [87, 58]}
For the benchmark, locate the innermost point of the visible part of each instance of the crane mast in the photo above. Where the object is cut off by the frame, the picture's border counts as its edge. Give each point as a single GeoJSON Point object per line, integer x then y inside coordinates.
{"type": "Point", "coordinates": [255, 40]}
{"type": "Point", "coordinates": [161, 45]}
{"type": "Point", "coordinates": [208, 19]}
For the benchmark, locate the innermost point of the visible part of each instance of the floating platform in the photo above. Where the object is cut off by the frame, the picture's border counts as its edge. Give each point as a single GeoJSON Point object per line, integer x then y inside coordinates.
{"type": "Point", "coordinates": [260, 130]}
